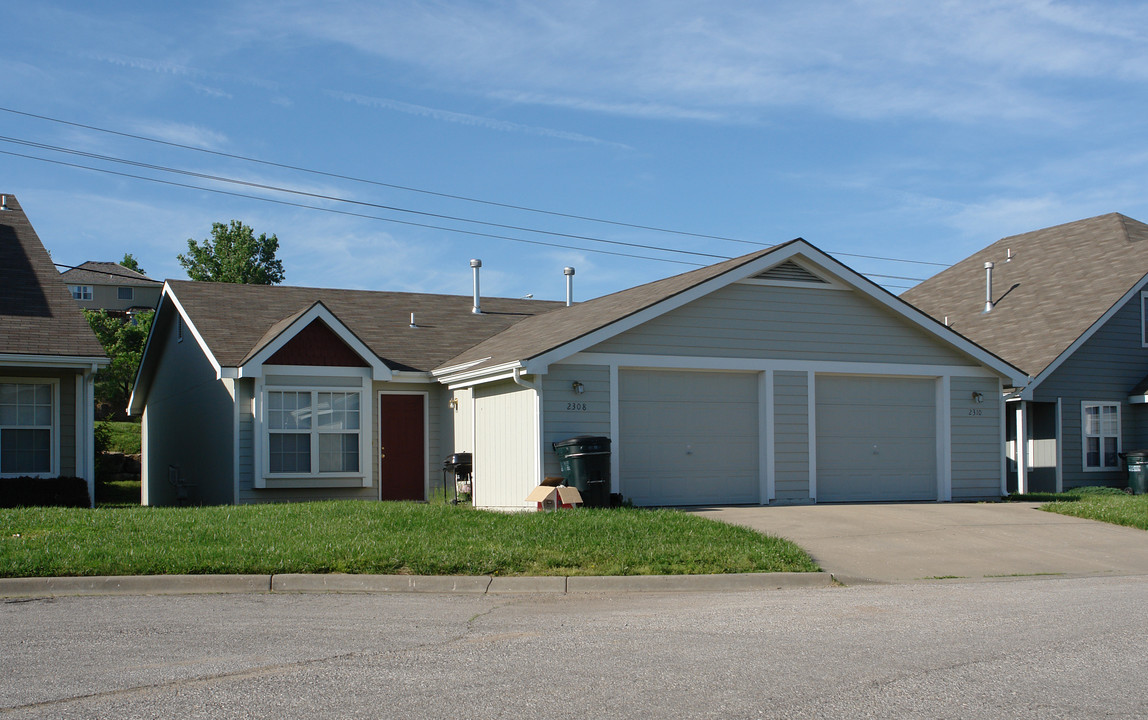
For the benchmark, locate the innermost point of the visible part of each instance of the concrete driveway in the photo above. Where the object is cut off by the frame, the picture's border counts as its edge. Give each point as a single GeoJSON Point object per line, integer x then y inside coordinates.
{"type": "Point", "coordinates": [907, 542]}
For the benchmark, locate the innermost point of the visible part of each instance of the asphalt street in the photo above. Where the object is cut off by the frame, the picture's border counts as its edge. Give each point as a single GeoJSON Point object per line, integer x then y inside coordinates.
{"type": "Point", "coordinates": [1021, 648]}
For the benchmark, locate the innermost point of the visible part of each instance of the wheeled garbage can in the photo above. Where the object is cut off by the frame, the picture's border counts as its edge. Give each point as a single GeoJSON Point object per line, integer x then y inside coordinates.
{"type": "Point", "coordinates": [585, 464]}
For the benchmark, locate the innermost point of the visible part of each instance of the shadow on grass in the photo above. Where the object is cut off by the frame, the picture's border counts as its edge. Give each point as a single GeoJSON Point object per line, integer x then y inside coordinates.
{"type": "Point", "coordinates": [1074, 495]}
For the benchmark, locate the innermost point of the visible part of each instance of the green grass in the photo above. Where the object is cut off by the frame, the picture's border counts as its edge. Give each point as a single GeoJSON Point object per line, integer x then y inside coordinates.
{"type": "Point", "coordinates": [123, 437]}
{"type": "Point", "coordinates": [383, 538]}
{"type": "Point", "coordinates": [118, 493]}
{"type": "Point", "coordinates": [1108, 505]}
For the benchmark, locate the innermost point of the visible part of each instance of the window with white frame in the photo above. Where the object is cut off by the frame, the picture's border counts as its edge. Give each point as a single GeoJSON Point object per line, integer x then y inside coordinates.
{"type": "Point", "coordinates": [81, 292]}
{"type": "Point", "coordinates": [125, 293]}
{"type": "Point", "coordinates": [313, 432]}
{"type": "Point", "coordinates": [26, 426]}
{"type": "Point", "coordinates": [1101, 435]}
{"type": "Point", "coordinates": [1144, 318]}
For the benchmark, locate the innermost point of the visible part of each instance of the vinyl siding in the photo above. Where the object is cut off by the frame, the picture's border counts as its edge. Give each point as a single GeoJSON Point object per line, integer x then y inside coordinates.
{"type": "Point", "coordinates": [791, 436]}
{"type": "Point", "coordinates": [756, 321]}
{"type": "Point", "coordinates": [64, 404]}
{"type": "Point", "coordinates": [504, 453]}
{"type": "Point", "coordinates": [975, 432]}
{"type": "Point", "coordinates": [567, 414]}
{"type": "Point", "coordinates": [1104, 369]}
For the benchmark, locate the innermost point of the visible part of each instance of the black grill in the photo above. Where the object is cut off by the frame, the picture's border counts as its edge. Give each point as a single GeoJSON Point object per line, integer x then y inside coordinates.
{"type": "Point", "coordinates": [459, 465]}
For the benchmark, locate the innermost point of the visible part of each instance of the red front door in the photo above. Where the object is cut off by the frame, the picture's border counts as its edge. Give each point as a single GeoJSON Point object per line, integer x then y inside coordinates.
{"type": "Point", "coordinates": [402, 447]}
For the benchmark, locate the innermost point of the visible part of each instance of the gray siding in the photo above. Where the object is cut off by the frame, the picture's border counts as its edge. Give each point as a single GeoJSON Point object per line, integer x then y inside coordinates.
{"type": "Point", "coordinates": [106, 297]}
{"type": "Point", "coordinates": [66, 402]}
{"type": "Point", "coordinates": [190, 423]}
{"type": "Point", "coordinates": [756, 321]}
{"type": "Point", "coordinates": [566, 414]}
{"type": "Point", "coordinates": [791, 436]}
{"type": "Point", "coordinates": [1105, 368]}
{"type": "Point", "coordinates": [976, 436]}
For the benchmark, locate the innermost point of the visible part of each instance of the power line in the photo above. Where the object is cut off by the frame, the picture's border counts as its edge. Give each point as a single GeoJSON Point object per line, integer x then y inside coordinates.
{"type": "Point", "coordinates": [109, 273]}
{"type": "Point", "coordinates": [406, 188]}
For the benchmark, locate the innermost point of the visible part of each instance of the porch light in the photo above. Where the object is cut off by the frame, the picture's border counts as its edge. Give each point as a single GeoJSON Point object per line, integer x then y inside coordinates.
{"type": "Point", "coordinates": [578, 388]}
{"type": "Point", "coordinates": [978, 397]}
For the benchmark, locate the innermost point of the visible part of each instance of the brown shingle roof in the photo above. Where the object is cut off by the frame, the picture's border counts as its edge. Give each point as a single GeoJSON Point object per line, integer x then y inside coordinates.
{"type": "Point", "coordinates": [1060, 281]}
{"type": "Point", "coordinates": [236, 320]}
{"type": "Point", "coordinates": [534, 336]}
{"type": "Point", "coordinates": [37, 313]}
{"type": "Point", "coordinates": [107, 273]}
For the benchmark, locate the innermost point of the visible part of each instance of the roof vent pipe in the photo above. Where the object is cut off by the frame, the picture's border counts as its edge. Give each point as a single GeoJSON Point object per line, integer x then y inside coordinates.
{"type": "Point", "coordinates": [569, 273]}
{"type": "Point", "coordinates": [1008, 258]}
{"type": "Point", "coordinates": [476, 264]}
{"type": "Point", "coordinates": [3, 202]}
{"type": "Point", "coordinates": [988, 287]}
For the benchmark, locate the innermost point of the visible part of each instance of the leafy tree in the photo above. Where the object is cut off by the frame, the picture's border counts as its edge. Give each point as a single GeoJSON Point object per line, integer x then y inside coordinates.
{"type": "Point", "coordinates": [233, 254]}
{"type": "Point", "coordinates": [131, 263]}
{"type": "Point", "coordinates": [124, 342]}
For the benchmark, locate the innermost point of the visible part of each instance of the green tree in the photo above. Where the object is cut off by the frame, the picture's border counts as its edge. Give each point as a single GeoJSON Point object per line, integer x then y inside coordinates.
{"type": "Point", "coordinates": [124, 341]}
{"type": "Point", "coordinates": [131, 263]}
{"type": "Point", "coordinates": [233, 254]}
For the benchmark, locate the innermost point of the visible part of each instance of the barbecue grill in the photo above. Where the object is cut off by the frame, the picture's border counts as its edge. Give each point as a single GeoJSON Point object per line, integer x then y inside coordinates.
{"type": "Point", "coordinates": [460, 466]}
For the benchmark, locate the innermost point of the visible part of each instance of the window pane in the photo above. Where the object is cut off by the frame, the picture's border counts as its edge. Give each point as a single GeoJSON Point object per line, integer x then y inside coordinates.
{"type": "Point", "coordinates": [338, 452]}
{"type": "Point", "coordinates": [25, 451]}
{"type": "Point", "coordinates": [1110, 458]}
{"type": "Point", "coordinates": [288, 410]}
{"type": "Point", "coordinates": [8, 393]}
{"type": "Point", "coordinates": [289, 453]}
{"type": "Point", "coordinates": [1092, 420]}
{"type": "Point", "coordinates": [1109, 424]}
{"type": "Point", "coordinates": [1092, 452]}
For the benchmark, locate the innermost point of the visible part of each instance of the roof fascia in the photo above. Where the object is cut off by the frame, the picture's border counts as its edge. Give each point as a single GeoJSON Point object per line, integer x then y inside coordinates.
{"type": "Point", "coordinates": [475, 377]}
{"type": "Point", "coordinates": [1027, 393]}
{"type": "Point", "coordinates": [167, 297]}
{"type": "Point", "coordinates": [54, 361]}
{"type": "Point", "coordinates": [253, 367]}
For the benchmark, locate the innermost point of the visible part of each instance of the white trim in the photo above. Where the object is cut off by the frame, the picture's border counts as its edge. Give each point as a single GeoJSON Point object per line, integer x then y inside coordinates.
{"type": "Point", "coordinates": [145, 474]}
{"type": "Point", "coordinates": [826, 264]}
{"type": "Point", "coordinates": [1002, 410]}
{"type": "Point", "coordinates": [1020, 447]}
{"type": "Point", "coordinates": [475, 377]}
{"type": "Point", "coordinates": [57, 401]}
{"type": "Point", "coordinates": [69, 362]}
{"type": "Point", "coordinates": [253, 367]}
{"type": "Point", "coordinates": [233, 388]}
{"type": "Point", "coordinates": [944, 439]}
{"type": "Point", "coordinates": [1084, 436]}
{"type": "Point", "coordinates": [767, 469]}
{"type": "Point", "coordinates": [168, 292]}
{"type": "Point", "coordinates": [811, 430]}
{"type": "Point", "coordinates": [615, 430]}
{"type": "Point", "coordinates": [320, 371]}
{"type": "Point", "coordinates": [1059, 446]}
{"type": "Point", "coordinates": [426, 440]}
{"type": "Point", "coordinates": [684, 362]}
{"type": "Point", "coordinates": [453, 369]}
{"type": "Point", "coordinates": [827, 285]}
{"type": "Point", "coordinates": [1143, 319]}
{"type": "Point", "coordinates": [1027, 392]}
{"type": "Point", "coordinates": [536, 387]}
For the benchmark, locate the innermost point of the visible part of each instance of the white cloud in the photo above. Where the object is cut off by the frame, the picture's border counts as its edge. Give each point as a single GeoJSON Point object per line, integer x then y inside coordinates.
{"type": "Point", "coordinates": [181, 133]}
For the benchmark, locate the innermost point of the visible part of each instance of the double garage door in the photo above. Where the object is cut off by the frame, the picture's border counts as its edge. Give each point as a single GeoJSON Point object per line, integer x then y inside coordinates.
{"type": "Point", "coordinates": [693, 438]}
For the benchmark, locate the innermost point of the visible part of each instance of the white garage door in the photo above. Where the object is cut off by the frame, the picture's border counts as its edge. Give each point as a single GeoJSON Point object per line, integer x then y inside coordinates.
{"type": "Point", "coordinates": [688, 438]}
{"type": "Point", "coordinates": [876, 439]}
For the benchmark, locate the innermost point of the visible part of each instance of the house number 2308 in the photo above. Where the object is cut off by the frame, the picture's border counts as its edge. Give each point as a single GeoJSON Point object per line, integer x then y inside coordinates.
{"type": "Point", "coordinates": [575, 406]}
{"type": "Point", "coordinates": [975, 411]}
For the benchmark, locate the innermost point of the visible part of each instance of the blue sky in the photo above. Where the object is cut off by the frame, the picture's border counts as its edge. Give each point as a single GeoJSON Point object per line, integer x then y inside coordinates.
{"type": "Point", "coordinates": [921, 131]}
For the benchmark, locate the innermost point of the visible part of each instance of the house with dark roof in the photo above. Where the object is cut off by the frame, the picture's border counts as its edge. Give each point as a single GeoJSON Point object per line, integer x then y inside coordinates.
{"type": "Point", "coordinates": [781, 376]}
{"type": "Point", "coordinates": [48, 359]}
{"type": "Point", "coordinates": [113, 287]}
{"type": "Point", "coordinates": [1067, 305]}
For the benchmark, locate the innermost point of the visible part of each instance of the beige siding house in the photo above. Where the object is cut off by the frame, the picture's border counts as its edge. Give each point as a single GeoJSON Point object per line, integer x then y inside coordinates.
{"type": "Point", "coordinates": [112, 287]}
{"type": "Point", "coordinates": [778, 377]}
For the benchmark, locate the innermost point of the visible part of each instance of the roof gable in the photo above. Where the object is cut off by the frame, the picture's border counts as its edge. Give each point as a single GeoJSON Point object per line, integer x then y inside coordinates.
{"type": "Point", "coordinates": [1059, 286]}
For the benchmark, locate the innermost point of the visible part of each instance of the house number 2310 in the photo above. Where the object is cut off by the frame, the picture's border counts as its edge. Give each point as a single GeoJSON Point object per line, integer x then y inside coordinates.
{"type": "Point", "coordinates": [575, 406]}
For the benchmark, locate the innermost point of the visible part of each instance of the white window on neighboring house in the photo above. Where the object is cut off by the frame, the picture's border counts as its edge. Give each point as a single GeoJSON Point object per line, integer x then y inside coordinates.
{"type": "Point", "coordinates": [125, 293]}
{"type": "Point", "coordinates": [27, 426]}
{"type": "Point", "coordinates": [313, 432]}
{"type": "Point", "coordinates": [1101, 435]}
{"type": "Point", "coordinates": [81, 292]}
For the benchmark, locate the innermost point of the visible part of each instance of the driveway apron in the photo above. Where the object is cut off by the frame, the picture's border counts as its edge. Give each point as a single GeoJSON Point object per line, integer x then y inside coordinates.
{"type": "Point", "coordinates": [929, 541]}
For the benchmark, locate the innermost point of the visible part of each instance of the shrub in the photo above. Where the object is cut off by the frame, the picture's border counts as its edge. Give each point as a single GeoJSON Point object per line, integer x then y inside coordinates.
{"type": "Point", "coordinates": [30, 491]}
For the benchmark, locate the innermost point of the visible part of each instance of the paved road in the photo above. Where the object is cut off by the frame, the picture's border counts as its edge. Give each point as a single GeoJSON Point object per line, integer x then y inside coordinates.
{"type": "Point", "coordinates": [1027, 648]}
{"type": "Point", "coordinates": [921, 541]}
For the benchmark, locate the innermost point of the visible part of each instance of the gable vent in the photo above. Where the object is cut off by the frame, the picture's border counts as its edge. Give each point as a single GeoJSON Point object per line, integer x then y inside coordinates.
{"type": "Point", "coordinates": [790, 271]}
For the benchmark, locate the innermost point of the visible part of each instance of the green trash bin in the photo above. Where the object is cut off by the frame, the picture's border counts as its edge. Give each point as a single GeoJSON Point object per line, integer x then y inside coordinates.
{"type": "Point", "coordinates": [1137, 463]}
{"type": "Point", "coordinates": [585, 464]}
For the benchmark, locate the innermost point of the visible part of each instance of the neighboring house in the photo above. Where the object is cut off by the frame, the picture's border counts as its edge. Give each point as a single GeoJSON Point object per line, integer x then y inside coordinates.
{"type": "Point", "coordinates": [48, 357]}
{"type": "Point", "coordinates": [1067, 306]}
{"type": "Point", "coordinates": [113, 287]}
{"type": "Point", "coordinates": [780, 376]}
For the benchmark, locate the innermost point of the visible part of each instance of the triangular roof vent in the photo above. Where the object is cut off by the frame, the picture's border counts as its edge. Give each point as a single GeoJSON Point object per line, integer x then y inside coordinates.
{"type": "Point", "coordinates": [789, 271]}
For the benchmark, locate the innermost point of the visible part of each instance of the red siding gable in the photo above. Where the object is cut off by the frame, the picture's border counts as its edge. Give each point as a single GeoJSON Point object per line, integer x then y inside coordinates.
{"type": "Point", "coordinates": [316, 344]}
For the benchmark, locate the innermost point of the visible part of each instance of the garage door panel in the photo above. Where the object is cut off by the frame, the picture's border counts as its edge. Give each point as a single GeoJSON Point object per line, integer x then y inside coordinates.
{"type": "Point", "coordinates": [687, 437]}
{"type": "Point", "coordinates": [876, 439]}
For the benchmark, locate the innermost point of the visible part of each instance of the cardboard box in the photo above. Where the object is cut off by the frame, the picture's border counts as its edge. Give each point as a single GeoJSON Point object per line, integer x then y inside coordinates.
{"type": "Point", "coordinates": [555, 498]}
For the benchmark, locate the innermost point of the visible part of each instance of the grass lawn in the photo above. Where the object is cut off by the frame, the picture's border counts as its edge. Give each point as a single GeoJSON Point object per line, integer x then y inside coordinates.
{"type": "Point", "coordinates": [1095, 503]}
{"type": "Point", "coordinates": [123, 437]}
{"type": "Point", "coordinates": [382, 538]}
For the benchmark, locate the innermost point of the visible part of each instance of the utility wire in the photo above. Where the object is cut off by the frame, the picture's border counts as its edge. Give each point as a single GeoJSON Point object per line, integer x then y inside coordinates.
{"type": "Point", "coordinates": [430, 192]}
{"type": "Point", "coordinates": [109, 273]}
{"type": "Point", "coordinates": [342, 212]}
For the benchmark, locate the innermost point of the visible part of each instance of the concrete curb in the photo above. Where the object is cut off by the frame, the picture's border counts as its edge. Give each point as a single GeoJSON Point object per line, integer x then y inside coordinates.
{"type": "Point", "coordinates": [340, 583]}
{"type": "Point", "coordinates": [135, 585]}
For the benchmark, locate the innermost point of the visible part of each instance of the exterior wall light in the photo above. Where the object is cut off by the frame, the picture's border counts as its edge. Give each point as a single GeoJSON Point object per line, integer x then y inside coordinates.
{"type": "Point", "coordinates": [578, 388]}
{"type": "Point", "coordinates": [978, 397]}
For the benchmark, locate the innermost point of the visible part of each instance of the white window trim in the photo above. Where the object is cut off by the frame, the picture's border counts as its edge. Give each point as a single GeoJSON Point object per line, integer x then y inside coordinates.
{"type": "Point", "coordinates": [261, 431]}
{"type": "Point", "coordinates": [80, 292]}
{"type": "Point", "coordinates": [1084, 437]}
{"type": "Point", "coordinates": [54, 470]}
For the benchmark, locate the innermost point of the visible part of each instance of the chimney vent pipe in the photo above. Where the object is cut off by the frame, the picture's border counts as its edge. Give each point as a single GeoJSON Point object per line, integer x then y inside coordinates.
{"type": "Point", "coordinates": [988, 287]}
{"type": "Point", "coordinates": [477, 308]}
{"type": "Point", "coordinates": [569, 273]}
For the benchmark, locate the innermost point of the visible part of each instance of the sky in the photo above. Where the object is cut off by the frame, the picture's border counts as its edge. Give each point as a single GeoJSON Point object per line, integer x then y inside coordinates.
{"type": "Point", "coordinates": [386, 143]}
